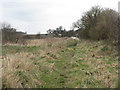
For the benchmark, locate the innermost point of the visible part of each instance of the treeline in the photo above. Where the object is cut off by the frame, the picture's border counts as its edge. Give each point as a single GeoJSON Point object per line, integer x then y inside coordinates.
{"type": "Point", "coordinates": [61, 32]}
{"type": "Point", "coordinates": [10, 35]}
{"type": "Point", "coordinates": [96, 24]}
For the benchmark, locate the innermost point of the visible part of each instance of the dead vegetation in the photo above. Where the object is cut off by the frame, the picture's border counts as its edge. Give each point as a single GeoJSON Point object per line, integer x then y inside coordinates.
{"type": "Point", "coordinates": [56, 63]}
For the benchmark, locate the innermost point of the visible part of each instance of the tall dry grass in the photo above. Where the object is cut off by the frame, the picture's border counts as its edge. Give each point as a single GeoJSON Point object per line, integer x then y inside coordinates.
{"type": "Point", "coordinates": [18, 67]}
{"type": "Point", "coordinates": [24, 69]}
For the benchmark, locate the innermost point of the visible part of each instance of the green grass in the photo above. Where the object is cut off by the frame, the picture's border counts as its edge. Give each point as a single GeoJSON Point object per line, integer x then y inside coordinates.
{"type": "Point", "coordinates": [18, 49]}
{"type": "Point", "coordinates": [105, 48]}
{"type": "Point", "coordinates": [74, 67]}
{"type": "Point", "coordinates": [72, 43]}
{"type": "Point", "coordinates": [22, 75]}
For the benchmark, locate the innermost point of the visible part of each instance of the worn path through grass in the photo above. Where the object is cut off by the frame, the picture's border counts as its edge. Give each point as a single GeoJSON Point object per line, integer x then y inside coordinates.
{"type": "Point", "coordinates": [71, 64]}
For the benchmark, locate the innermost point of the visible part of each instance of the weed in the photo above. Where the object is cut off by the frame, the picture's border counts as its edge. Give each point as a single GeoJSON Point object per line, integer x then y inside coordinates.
{"type": "Point", "coordinates": [72, 43]}
{"type": "Point", "coordinates": [41, 86]}
{"type": "Point", "coordinates": [105, 48]}
{"type": "Point", "coordinates": [22, 75]}
{"type": "Point", "coordinates": [67, 64]}
{"type": "Point", "coordinates": [36, 63]}
{"type": "Point", "coordinates": [49, 45]}
{"type": "Point", "coordinates": [18, 49]}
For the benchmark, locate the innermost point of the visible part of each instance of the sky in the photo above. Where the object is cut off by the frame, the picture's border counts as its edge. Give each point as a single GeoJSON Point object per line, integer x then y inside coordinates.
{"type": "Point", "coordinates": [37, 16]}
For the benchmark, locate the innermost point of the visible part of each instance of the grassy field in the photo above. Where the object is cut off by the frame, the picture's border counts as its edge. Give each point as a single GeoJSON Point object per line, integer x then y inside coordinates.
{"type": "Point", "coordinates": [60, 63]}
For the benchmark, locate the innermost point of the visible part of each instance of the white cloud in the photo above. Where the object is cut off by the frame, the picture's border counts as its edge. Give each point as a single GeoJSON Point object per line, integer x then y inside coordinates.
{"type": "Point", "coordinates": [1, 13]}
{"type": "Point", "coordinates": [39, 15]}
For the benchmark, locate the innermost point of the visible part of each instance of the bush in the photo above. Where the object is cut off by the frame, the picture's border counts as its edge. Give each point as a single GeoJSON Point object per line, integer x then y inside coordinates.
{"type": "Point", "coordinates": [10, 35]}
{"type": "Point", "coordinates": [105, 48]}
{"type": "Point", "coordinates": [99, 24]}
{"type": "Point", "coordinates": [72, 43]}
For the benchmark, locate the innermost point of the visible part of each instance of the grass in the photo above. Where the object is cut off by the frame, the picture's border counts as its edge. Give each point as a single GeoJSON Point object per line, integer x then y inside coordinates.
{"type": "Point", "coordinates": [18, 49]}
{"type": "Point", "coordinates": [60, 63]}
{"type": "Point", "coordinates": [22, 75]}
{"type": "Point", "coordinates": [105, 48]}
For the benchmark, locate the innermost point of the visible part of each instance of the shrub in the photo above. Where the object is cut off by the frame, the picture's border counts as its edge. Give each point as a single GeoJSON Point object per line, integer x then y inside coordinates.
{"type": "Point", "coordinates": [72, 43]}
{"type": "Point", "coordinates": [105, 48]}
{"type": "Point", "coordinates": [10, 35]}
{"type": "Point", "coordinates": [99, 24]}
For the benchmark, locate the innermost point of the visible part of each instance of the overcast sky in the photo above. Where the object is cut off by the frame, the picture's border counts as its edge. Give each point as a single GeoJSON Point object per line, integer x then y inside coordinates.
{"type": "Point", "coordinates": [33, 16]}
